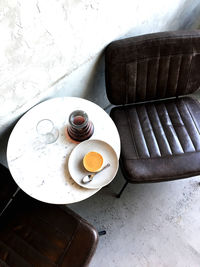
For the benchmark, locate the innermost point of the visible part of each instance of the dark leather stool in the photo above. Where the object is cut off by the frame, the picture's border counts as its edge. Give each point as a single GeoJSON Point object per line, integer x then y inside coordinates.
{"type": "Point", "coordinates": [33, 233]}
{"type": "Point", "coordinates": [148, 78]}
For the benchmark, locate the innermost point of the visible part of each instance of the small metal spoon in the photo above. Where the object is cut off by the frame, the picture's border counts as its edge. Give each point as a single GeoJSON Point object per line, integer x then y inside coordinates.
{"type": "Point", "coordinates": [88, 178]}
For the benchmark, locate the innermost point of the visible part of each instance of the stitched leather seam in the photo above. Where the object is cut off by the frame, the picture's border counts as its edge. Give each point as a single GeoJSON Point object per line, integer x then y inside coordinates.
{"type": "Point", "coordinates": [167, 156]}
{"type": "Point", "coordinates": [175, 133]}
{"type": "Point", "coordinates": [191, 116]}
{"type": "Point", "coordinates": [161, 133]}
{"type": "Point", "coordinates": [126, 85]}
{"type": "Point", "coordinates": [185, 124]}
{"type": "Point", "coordinates": [179, 71]}
{"type": "Point", "coordinates": [135, 96]}
{"type": "Point", "coordinates": [132, 83]}
{"type": "Point", "coordinates": [153, 131]}
{"type": "Point", "coordinates": [147, 78]}
{"type": "Point", "coordinates": [68, 246]}
{"type": "Point", "coordinates": [185, 129]}
{"type": "Point", "coordinates": [71, 240]}
{"type": "Point", "coordinates": [168, 71]}
{"type": "Point", "coordinates": [131, 130]}
{"type": "Point", "coordinates": [163, 129]}
{"type": "Point", "coordinates": [189, 70]}
{"type": "Point", "coordinates": [143, 132]}
{"type": "Point", "coordinates": [157, 73]}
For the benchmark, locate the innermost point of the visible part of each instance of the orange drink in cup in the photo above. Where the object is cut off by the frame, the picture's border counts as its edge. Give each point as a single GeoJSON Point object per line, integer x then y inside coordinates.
{"type": "Point", "coordinates": [93, 161]}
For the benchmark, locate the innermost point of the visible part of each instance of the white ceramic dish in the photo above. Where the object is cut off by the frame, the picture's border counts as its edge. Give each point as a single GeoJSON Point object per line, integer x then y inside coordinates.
{"type": "Point", "coordinates": [77, 170]}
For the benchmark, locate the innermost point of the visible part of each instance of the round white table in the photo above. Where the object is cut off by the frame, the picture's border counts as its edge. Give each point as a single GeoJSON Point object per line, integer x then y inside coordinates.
{"type": "Point", "coordinates": [41, 170]}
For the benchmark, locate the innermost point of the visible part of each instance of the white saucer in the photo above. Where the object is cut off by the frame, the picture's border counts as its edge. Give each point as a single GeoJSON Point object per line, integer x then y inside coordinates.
{"type": "Point", "coordinates": [77, 170]}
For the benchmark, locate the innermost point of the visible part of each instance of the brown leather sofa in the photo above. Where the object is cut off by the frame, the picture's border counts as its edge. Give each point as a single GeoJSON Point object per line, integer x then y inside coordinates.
{"type": "Point", "coordinates": [150, 79]}
{"type": "Point", "coordinates": [33, 233]}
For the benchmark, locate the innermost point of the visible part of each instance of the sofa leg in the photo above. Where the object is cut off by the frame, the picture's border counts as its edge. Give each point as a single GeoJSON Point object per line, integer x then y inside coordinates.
{"type": "Point", "coordinates": [121, 191]}
{"type": "Point", "coordinates": [102, 232]}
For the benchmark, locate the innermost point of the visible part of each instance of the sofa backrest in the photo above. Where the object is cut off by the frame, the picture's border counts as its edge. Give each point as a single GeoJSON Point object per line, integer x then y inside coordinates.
{"type": "Point", "coordinates": [153, 66]}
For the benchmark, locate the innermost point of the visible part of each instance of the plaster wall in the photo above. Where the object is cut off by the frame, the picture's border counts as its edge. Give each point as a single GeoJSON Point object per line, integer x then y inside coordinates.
{"type": "Point", "coordinates": [55, 48]}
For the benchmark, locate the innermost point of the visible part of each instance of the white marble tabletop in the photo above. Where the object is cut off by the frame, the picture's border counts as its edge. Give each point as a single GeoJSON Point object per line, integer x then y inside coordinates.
{"type": "Point", "coordinates": [42, 170]}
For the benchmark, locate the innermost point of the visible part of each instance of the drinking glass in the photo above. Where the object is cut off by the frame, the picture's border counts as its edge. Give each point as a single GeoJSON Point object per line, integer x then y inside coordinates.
{"type": "Point", "coordinates": [47, 132]}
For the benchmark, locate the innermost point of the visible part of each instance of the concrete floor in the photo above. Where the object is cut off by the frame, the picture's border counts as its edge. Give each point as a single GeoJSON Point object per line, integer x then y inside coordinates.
{"type": "Point", "coordinates": [150, 225]}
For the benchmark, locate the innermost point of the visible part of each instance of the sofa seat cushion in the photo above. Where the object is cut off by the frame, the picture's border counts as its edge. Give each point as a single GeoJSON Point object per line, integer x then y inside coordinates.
{"type": "Point", "coordinates": [33, 233]}
{"type": "Point", "coordinates": [160, 139]}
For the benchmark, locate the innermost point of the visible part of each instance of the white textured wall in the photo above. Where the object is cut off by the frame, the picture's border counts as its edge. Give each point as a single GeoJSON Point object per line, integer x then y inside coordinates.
{"type": "Point", "coordinates": [55, 47]}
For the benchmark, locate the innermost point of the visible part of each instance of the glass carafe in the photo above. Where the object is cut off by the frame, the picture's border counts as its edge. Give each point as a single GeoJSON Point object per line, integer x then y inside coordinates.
{"type": "Point", "coordinates": [80, 128]}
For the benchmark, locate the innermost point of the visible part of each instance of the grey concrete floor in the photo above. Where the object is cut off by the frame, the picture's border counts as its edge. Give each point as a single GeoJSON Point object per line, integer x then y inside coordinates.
{"type": "Point", "coordinates": [150, 225]}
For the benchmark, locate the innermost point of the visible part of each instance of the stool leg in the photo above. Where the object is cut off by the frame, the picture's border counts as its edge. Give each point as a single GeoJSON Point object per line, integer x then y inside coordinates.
{"type": "Point", "coordinates": [102, 232]}
{"type": "Point", "coordinates": [121, 191]}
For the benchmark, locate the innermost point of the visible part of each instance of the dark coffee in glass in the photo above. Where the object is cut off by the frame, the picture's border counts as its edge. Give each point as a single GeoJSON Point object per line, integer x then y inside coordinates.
{"type": "Point", "coordinates": [80, 128]}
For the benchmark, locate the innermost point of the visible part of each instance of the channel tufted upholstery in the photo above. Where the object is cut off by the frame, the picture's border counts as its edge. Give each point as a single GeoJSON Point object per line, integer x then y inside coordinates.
{"type": "Point", "coordinates": [159, 140]}
{"type": "Point", "coordinates": [153, 66]}
{"type": "Point", "coordinates": [148, 78]}
{"type": "Point", "coordinates": [37, 234]}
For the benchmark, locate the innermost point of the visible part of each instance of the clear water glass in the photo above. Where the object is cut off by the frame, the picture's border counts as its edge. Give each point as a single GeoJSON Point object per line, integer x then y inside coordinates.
{"type": "Point", "coordinates": [47, 132]}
